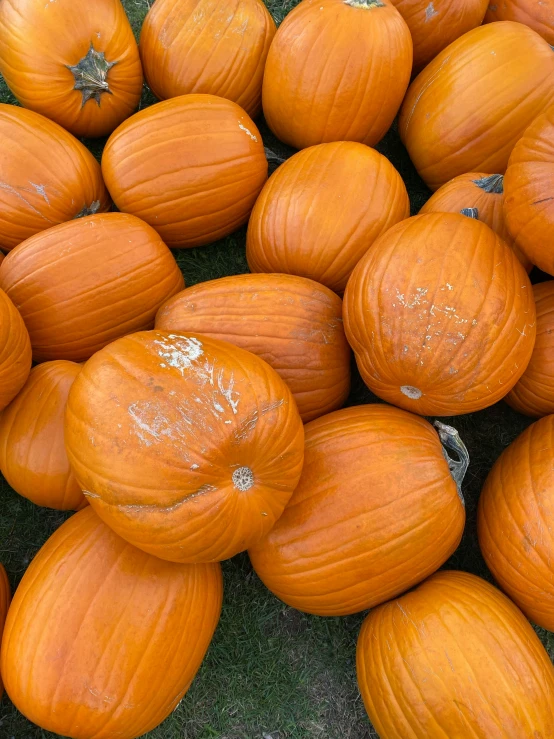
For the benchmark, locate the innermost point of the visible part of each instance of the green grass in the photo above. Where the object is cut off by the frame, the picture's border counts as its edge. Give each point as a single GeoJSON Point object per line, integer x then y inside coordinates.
{"type": "Point", "coordinates": [270, 671]}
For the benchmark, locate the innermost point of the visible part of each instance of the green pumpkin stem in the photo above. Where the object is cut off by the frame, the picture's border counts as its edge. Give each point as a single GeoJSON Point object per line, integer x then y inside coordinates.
{"type": "Point", "coordinates": [491, 183]}
{"type": "Point", "coordinates": [365, 3]}
{"type": "Point", "coordinates": [90, 76]}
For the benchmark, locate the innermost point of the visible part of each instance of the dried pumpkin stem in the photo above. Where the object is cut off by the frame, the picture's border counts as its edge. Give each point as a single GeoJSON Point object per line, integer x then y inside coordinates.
{"type": "Point", "coordinates": [90, 76]}
{"type": "Point", "coordinates": [365, 3]}
{"type": "Point", "coordinates": [491, 183]}
{"type": "Point", "coordinates": [271, 156]}
{"type": "Point", "coordinates": [450, 439]}
{"type": "Point", "coordinates": [88, 210]}
{"type": "Point", "coordinates": [470, 213]}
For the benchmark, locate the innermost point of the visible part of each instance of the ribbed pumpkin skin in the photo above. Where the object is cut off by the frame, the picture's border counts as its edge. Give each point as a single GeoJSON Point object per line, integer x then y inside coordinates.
{"type": "Point", "coordinates": [46, 176]}
{"type": "Point", "coordinates": [15, 351]}
{"type": "Point", "coordinates": [207, 46]}
{"type": "Point", "coordinates": [199, 176]}
{"type": "Point", "coordinates": [84, 283]}
{"type": "Point", "coordinates": [528, 202]}
{"type": "Point", "coordinates": [40, 40]}
{"type": "Point", "coordinates": [470, 105]}
{"type": "Point", "coordinates": [103, 640]}
{"type": "Point", "coordinates": [538, 15]}
{"type": "Point", "coordinates": [311, 219]}
{"type": "Point", "coordinates": [376, 511]}
{"type": "Point", "coordinates": [440, 315]}
{"type": "Point", "coordinates": [454, 658]}
{"type": "Point", "coordinates": [337, 71]}
{"type": "Point", "coordinates": [32, 452]}
{"type": "Point", "coordinates": [293, 324]}
{"type": "Point", "coordinates": [165, 429]}
{"type": "Point", "coordinates": [4, 605]}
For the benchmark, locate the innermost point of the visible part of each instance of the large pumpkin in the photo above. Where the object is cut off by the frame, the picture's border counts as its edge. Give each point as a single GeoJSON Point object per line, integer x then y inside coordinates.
{"type": "Point", "coordinates": [189, 448]}
{"type": "Point", "coordinates": [454, 658]}
{"type": "Point", "coordinates": [103, 640]}
{"type": "Point", "coordinates": [440, 315]}
{"type": "Point", "coordinates": [470, 105]}
{"type": "Point", "coordinates": [74, 61]}
{"type": "Point", "coordinates": [537, 14]}
{"type": "Point", "coordinates": [376, 511]}
{"type": "Point", "coordinates": [200, 174]}
{"type": "Point", "coordinates": [4, 605]}
{"type": "Point", "coordinates": [294, 324]}
{"type": "Point", "coordinates": [311, 219]}
{"type": "Point", "coordinates": [82, 284]}
{"type": "Point", "coordinates": [337, 70]}
{"type": "Point", "coordinates": [46, 176]}
{"type": "Point", "coordinates": [15, 351]}
{"type": "Point", "coordinates": [32, 451]}
{"type": "Point", "coordinates": [217, 47]}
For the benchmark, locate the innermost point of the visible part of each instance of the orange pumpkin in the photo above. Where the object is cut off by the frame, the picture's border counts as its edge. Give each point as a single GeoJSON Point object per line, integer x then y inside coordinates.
{"type": "Point", "coordinates": [199, 176]}
{"type": "Point", "coordinates": [311, 219]}
{"type": "Point", "coordinates": [470, 105]}
{"type": "Point", "coordinates": [207, 46]}
{"type": "Point", "coordinates": [167, 432]}
{"type": "Point", "coordinates": [32, 451]}
{"type": "Point", "coordinates": [528, 203]}
{"type": "Point", "coordinates": [4, 605]}
{"type": "Point", "coordinates": [73, 61]}
{"type": "Point", "coordinates": [537, 14]}
{"type": "Point", "coordinates": [376, 511]}
{"type": "Point", "coordinates": [294, 324]}
{"type": "Point", "coordinates": [440, 315]}
{"type": "Point", "coordinates": [516, 521]}
{"type": "Point", "coordinates": [125, 633]}
{"type": "Point", "coordinates": [454, 658]}
{"type": "Point", "coordinates": [337, 70]}
{"type": "Point", "coordinates": [15, 351]}
{"type": "Point", "coordinates": [82, 284]}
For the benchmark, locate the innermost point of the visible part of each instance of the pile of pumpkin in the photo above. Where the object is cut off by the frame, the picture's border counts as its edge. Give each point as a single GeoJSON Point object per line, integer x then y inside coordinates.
{"type": "Point", "coordinates": [178, 414]}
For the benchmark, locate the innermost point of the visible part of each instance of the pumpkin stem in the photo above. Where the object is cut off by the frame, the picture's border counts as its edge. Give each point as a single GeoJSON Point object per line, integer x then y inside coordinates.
{"type": "Point", "coordinates": [450, 439]}
{"type": "Point", "coordinates": [365, 3]}
{"type": "Point", "coordinates": [470, 213]}
{"type": "Point", "coordinates": [243, 479]}
{"type": "Point", "coordinates": [491, 183]}
{"type": "Point", "coordinates": [90, 75]}
{"type": "Point", "coordinates": [271, 156]}
{"type": "Point", "coordinates": [88, 210]}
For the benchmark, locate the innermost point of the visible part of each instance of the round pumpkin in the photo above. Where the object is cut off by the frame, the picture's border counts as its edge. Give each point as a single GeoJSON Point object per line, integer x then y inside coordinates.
{"type": "Point", "coordinates": [376, 511]}
{"type": "Point", "coordinates": [337, 70]}
{"type": "Point", "coordinates": [4, 605]}
{"type": "Point", "coordinates": [82, 284]}
{"type": "Point", "coordinates": [537, 14]}
{"type": "Point", "coordinates": [73, 61]}
{"type": "Point", "coordinates": [311, 219]}
{"type": "Point", "coordinates": [528, 202]}
{"type": "Point", "coordinates": [103, 640]}
{"type": "Point", "coordinates": [189, 448]}
{"type": "Point", "coordinates": [32, 451]}
{"type": "Point", "coordinates": [292, 323]}
{"type": "Point", "coordinates": [217, 47]}
{"type": "Point", "coordinates": [199, 176]}
{"type": "Point", "coordinates": [46, 176]}
{"type": "Point", "coordinates": [454, 658]}
{"type": "Point", "coordinates": [15, 351]}
{"type": "Point", "coordinates": [440, 315]}
{"type": "Point", "coordinates": [470, 105]}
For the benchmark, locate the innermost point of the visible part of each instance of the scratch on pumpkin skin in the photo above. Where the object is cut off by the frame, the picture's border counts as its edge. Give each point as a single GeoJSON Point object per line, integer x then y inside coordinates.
{"type": "Point", "coordinates": [13, 191]}
{"type": "Point", "coordinates": [430, 12]}
{"type": "Point", "coordinates": [249, 133]}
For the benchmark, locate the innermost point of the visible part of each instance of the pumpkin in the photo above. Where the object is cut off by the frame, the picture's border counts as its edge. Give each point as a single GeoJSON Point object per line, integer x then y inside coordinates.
{"type": "Point", "coordinates": [376, 511]}
{"type": "Point", "coordinates": [454, 658]}
{"type": "Point", "coordinates": [337, 70]}
{"type": "Point", "coordinates": [470, 105]}
{"type": "Point", "coordinates": [4, 605]}
{"type": "Point", "coordinates": [440, 315]}
{"type": "Point", "coordinates": [82, 284]}
{"type": "Point", "coordinates": [96, 624]}
{"type": "Point", "coordinates": [528, 202]}
{"type": "Point", "coordinates": [436, 24]}
{"type": "Point", "coordinates": [311, 219]}
{"type": "Point", "coordinates": [167, 432]}
{"type": "Point", "coordinates": [292, 323]}
{"type": "Point", "coordinates": [479, 191]}
{"type": "Point", "coordinates": [15, 351]}
{"type": "Point", "coordinates": [46, 176]}
{"type": "Point", "coordinates": [207, 46]}
{"type": "Point", "coordinates": [537, 14]}
{"type": "Point", "coordinates": [32, 451]}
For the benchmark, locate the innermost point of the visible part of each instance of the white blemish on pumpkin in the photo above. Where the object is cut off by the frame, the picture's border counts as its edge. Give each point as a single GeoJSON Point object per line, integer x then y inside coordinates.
{"type": "Point", "coordinates": [416, 299]}
{"type": "Point", "coordinates": [411, 392]}
{"type": "Point", "coordinates": [228, 422]}
{"type": "Point", "coordinates": [149, 422]}
{"type": "Point", "coordinates": [40, 190]}
{"type": "Point", "coordinates": [13, 191]}
{"type": "Point", "coordinates": [228, 392]}
{"type": "Point", "coordinates": [218, 407]}
{"type": "Point", "coordinates": [194, 466]}
{"type": "Point", "coordinates": [430, 12]}
{"type": "Point", "coordinates": [405, 349]}
{"type": "Point", "coordinates": [88, 494]}
{"type": "Point", "coordinates": [181, 353]}
{"type": "Point", "coordinates": [249, 133]}
{"type": "Point", "coordinates": [243, 479]}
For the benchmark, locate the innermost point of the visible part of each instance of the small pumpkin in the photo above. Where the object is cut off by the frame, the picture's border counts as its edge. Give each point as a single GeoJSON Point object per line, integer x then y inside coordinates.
{"type": "Point", "coordinates": [187, 447]}
{"type": "Point", "coordinates": [454, 658]}
{"type": "Point", "coordinates": [15, 351]}
{"type": "Point", "coordinates": [470, 105]}
{"type": "Point", "coordinates": [82, 284]}
{"type": "Point", "coordinates": [311, 218]}
{"type": "Point", "coordinates": [440, 315]}
{"type": "Point", "coordinates": [118, 623]}
{"type": "Point", "coordinates": [537, 14]}
{"type": "Point", "coordinates": [32, 451]}
{"type": "Point", "coordinates": [4, 605]}
{"type": "Point", "coordinates": [73, 61]}
{"type": "Point", "coordinates": [294, 324]}
{"type": "Point", "coordinates": [199, 176]}
{"type": "Point", "coordinates": [337, 70]}
{"type": "Point", "coordinates": [207, 46]}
